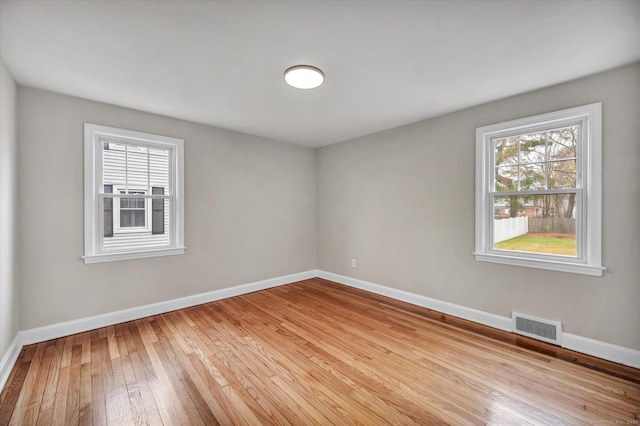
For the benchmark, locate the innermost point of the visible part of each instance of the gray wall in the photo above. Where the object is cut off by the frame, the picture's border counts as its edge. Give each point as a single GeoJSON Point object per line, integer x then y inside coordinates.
{"type": "Point", "coordinates": [401, 202]}
{"type": "Point", "coordinates": [250, 212]}
{"type": "Point", "coordinates": [8, 210]}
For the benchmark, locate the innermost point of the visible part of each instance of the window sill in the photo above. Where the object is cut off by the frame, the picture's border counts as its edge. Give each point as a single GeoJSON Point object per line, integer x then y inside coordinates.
{"type": "Point", "coordinates": [114, 257]}
{"type": "Point", "coordinates": [574, 268]}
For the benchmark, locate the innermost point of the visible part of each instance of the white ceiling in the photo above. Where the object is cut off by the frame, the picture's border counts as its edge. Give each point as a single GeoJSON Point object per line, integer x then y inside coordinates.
{"type": "Point", "coordinates": [387, 63]}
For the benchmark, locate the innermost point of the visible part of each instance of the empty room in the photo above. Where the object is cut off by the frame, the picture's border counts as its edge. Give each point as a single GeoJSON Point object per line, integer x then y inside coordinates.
{"type": "Point", "coordinates": [319, 212]}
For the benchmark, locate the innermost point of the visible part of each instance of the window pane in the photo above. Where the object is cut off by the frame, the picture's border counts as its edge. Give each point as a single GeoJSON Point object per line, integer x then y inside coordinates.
{"type": "Point", "coordinates": [543, 223]}
{"type": "Point", "coordinates": [532, 147]}
{"type": "Point", "coordinates": [562, 143]}
{"type": "Point", "coordinates": [532, 176]}
{"type": "Point", "coordinates": [156, 235]}
{"type": "Point", "coordinates": [505, 151]}
{"type": "Point", "coordinates": [506, 178]}
{"type": "Point", "coordinates": [107, 210]}
{"type": "Point", "coordinates": [137, 167]}
{"type": "Point", "coordinates": [132, 218]}
{"type": "Point", "coordinates": [126, 166]}
{"type": "Point", "coordinates": [159, 169]}
{"type": "Point", "coordinates": [535, 161]}
{"type": "Point", "coordinates": [157, 211]}
{"type": "Point", "coordinates": [113, 160]}
{"type": "Point", "coordinates": [161, 217]}
{"type": "Point", "coordinates": [562, 174]}
{"type": "Point", "coordinates": [132, 203]}
{"type": "Point", "coordinates": [139, 217]}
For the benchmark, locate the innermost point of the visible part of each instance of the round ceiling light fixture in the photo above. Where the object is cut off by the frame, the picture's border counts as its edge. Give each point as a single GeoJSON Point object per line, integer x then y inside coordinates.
{"type": "Point", "coordinates": [304, 77]}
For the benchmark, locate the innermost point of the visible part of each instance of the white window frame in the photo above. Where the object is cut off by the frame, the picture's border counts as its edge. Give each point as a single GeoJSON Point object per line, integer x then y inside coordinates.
{"type": "Point", "coordinates": [94, 137]}
{"type": "Point", "coordinates": [588, 187]}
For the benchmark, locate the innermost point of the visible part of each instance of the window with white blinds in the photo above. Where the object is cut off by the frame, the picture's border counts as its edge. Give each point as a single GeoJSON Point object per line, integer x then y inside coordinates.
{"type": "Point", "coordinates": [133, 194]}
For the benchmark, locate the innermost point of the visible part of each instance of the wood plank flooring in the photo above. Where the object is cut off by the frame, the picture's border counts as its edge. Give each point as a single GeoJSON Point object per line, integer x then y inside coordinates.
{"type": "Point", "coordinates": [312, 352]}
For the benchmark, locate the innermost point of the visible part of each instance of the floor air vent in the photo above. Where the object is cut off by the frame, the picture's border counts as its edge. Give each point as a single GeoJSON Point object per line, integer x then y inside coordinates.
{"type": "Point", "coordinates": [537, 328]}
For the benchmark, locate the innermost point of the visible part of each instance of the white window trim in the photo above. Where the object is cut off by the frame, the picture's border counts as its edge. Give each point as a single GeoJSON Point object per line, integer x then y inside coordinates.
{"type": "Point", "coordinates": [93, 138]}
{"type": "Point", "coordinates": [589, 261]}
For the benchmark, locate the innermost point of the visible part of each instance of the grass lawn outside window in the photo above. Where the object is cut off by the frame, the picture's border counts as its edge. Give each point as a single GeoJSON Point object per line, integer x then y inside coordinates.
{"type": "Point", "coordinates": [553, 243]}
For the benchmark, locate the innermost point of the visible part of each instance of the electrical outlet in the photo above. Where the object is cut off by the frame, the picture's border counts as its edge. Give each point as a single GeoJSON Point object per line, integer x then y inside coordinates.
{"type": "Point", "coordinates": [353, 263]}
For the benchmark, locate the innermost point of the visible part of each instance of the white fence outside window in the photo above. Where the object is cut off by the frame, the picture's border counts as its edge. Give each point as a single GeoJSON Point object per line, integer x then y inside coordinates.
{"type": "Point", "coordinates": [505, 229]}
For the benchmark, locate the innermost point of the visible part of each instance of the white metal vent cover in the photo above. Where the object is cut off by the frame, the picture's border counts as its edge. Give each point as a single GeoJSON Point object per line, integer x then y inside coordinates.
{"type": "Point", "coordinates": [537, 328]}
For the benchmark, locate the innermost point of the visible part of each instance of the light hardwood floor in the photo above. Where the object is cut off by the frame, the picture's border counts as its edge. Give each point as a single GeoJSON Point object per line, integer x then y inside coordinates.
{"type": "Point", "coordinates": [312, 352]}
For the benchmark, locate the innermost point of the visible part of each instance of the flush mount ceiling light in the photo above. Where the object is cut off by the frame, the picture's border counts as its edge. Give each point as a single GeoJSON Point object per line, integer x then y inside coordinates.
{"type": "Point", "coordinates": [304, 77]}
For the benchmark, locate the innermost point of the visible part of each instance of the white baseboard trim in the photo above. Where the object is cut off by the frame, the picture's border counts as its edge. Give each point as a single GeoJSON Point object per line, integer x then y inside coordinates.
{"type": "Point", "coordinates": [492, 320]}
{"type": "Point", "coordinates": [54, 331]}
{"type": "Point", "coordinates": [580, 344]}
{"type": "Point", "coordinates": [41, 334]}
{"type": "Point", "coordinates": [9, 360]}
{"type": "Point", "coordinates": [603, 350]}
{"type": "Point", "coordinates": [584, 345]}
